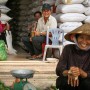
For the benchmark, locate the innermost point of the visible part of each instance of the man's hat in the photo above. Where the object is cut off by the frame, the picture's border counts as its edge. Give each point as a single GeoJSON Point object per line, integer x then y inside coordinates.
{"type": "Point", "coordinates": [84, 29]}
{"type": "Point", "coordinates": [46, 6]}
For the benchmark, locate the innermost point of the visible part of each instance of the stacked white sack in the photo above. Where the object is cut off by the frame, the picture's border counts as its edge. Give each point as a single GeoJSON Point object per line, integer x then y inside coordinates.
{"type": "Point", "coordinates": [73, 8]}
{"type": "Point", "coordinates": [71, 15]}
{"type": "Point", "coordinates": [4, 9]}
{"type": "Point", "coordinates": [69, 26]}
{"type": "Point", "coordinates": [4, 19]}
{"type": "Point", "coordinates": [86, 3]}
{"type": "Point", "coordinates": [87, 13]}
{"type": "Point", "coordinates": [3, 2]}
{"type": "Point", "coordinates": [72, 1]}
{"type": "Point", "coordinates": [68, 1]}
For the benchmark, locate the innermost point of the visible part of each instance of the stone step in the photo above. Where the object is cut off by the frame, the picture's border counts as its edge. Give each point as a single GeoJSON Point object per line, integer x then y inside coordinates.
{"type": "Point", "coordinates": [36, 80]}
{"type": "Point", "coordinates": [38, 66]}
{"type": "Point", "coordinates": [44, 71]}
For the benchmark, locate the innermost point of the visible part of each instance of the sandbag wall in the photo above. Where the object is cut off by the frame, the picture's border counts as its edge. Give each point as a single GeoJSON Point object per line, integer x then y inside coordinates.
{"type": "Point", "coordinates": [22, 13]}
{"type": "Point", "coordinates": [4, 10]}
{"type": "Point", "coordinates": [70, 15]}
{"type": "Point", "coordinates": [86, 3]}
{"type": "Point", "coordinates": [16, 11]}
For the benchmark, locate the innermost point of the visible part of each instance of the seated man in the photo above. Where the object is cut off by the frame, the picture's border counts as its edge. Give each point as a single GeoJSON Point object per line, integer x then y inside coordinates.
{"type": "Point", "coordinates": [47, 21]}
{"type": "Point", "coordinates": [31, 28]}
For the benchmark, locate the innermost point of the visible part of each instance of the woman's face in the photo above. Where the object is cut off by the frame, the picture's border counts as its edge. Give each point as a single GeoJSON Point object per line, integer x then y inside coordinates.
{"type": "Point", "coordinates": [83, 42]}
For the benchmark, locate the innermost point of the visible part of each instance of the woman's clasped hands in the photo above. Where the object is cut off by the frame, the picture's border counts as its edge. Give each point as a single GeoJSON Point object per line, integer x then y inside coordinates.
{"type": "Point", "coordinates": [73, 74]}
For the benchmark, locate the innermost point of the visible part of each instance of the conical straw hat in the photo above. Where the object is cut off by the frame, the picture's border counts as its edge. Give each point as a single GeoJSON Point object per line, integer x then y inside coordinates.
{"type": "Point", "coordinates": [84, 29]}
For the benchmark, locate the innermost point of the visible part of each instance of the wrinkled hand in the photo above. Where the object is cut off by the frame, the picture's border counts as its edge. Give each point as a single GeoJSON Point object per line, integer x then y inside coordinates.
{"type": "Point", "coordinates": [73, 77]}
{"type": "Point", "coordinates": [72, 81]}
{"type": "Point", "coordinates": [75, 71]}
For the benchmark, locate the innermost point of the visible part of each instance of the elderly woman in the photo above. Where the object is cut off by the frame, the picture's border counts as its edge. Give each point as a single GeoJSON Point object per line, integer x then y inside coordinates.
{"type": "Point", "coordinates": [73, 67]}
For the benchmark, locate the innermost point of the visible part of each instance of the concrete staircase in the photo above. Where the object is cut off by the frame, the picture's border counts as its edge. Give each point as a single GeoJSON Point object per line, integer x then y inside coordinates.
{"type": "Point", "coordinates": [44, 72]}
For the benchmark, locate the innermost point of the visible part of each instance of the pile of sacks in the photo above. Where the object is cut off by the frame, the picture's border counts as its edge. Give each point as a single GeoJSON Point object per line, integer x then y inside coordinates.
{"type": "Point", "coordinates": [86, 3]}
{"type": "Point", "coordinates": [70, 15]}
{"type": "Point", "coordinates": [4, 10]}
{"type": "Point", "coordinates": [4, 20]}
